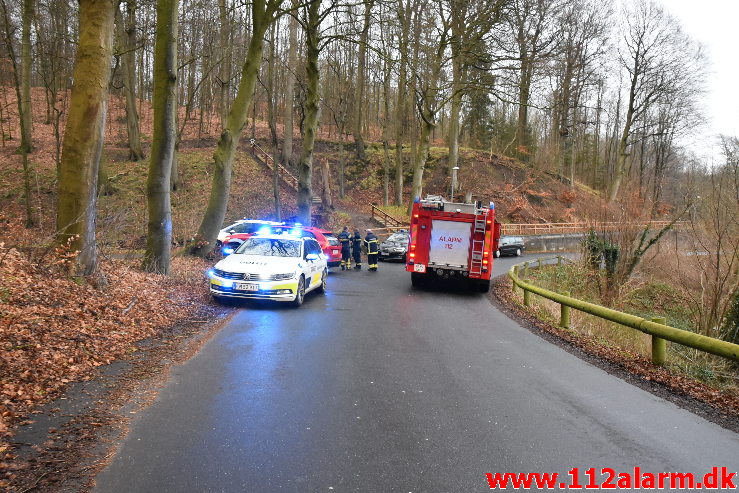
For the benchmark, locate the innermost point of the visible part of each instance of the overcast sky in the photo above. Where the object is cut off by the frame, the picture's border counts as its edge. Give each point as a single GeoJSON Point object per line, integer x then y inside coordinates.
{"type": "Point", "coordinates": [714, 24]}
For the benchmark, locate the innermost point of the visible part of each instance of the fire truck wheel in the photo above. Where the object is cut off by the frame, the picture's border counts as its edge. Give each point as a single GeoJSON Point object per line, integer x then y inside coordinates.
{"type": "Point", "coordinates": [483, 286]}
{"type": "Point", "coordinates": [418, 280]}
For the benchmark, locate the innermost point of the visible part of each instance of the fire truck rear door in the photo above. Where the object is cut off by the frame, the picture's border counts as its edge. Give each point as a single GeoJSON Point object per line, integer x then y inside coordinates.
{"type": "Point", "coordinates": [450, 243]}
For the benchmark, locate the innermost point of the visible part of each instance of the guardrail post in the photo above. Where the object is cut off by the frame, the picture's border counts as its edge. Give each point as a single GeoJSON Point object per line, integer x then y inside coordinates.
{"type": "Point", "coordinates": [513, 283]}
{"type": "Point", "coordinates": [539, 263]}
{"type": "Point", "coordinates": [525, 270]}
{"type": "Point", "coordinates": [564, 314]}
{"type": "Point", "coordinates": [659, 345]}
{"type": "Point", "coordinates": [526, 297]}
{"type": "Point", "coordinates": [559, 260]}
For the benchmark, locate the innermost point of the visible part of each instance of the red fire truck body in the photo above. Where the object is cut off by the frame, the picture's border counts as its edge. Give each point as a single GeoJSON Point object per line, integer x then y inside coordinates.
{"type": "Point", "coordinates": [452, 240]}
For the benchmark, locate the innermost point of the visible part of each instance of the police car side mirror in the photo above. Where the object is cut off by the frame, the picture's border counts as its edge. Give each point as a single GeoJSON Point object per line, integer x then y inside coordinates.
{"type": "Point", "coordinates": [231, 231]}
{"type": "Point", "coordinates": [311, 256]}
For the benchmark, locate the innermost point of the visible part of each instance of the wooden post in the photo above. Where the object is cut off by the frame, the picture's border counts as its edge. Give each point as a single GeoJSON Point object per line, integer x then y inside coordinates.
{"type": "Point", "coordinates": [564, 314]}
{"type": "Point", "coordinates": [659, 345]}
{"type": "Point", "coordinates": [526, 297]}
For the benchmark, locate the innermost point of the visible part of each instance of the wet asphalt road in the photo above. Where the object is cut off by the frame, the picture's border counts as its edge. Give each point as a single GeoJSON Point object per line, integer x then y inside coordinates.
{"type": "Point", "coordinates": [377, 387]}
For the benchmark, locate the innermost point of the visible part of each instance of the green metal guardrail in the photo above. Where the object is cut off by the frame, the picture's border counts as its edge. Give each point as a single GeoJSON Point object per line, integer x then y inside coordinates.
{"type": "Point", "coordinates": [656, 327]}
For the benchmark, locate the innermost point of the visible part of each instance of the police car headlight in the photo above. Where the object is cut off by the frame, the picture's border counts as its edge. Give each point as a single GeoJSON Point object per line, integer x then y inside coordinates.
{"type": "Point", "coordinates": [284, 277]}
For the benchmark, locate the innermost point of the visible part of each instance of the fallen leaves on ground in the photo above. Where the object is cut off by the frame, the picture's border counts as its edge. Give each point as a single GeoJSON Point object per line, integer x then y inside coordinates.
{"type": "Point", "coordinates": [54, 331]}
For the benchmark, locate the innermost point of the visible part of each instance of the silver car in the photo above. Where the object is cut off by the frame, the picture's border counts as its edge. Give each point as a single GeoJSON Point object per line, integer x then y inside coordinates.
{"type": "Point", "coordinates": [395, 247]}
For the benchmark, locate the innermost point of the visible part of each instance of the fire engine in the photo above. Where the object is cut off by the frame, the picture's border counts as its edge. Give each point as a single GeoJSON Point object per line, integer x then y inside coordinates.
{"type": "Point", "coordinates": [452, 240]}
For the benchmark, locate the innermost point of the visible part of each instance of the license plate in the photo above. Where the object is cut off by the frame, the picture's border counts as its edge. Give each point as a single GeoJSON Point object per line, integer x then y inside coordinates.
{"type": "Point", "coordinates": [245, 286]}
{"type": "Point", "coordinates": [419, 268]}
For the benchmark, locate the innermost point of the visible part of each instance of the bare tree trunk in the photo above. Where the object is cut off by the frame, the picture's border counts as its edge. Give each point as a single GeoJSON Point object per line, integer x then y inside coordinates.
{"type": "Point", "coordinates": [271, 120]}
{"type": "Point", "coordinates": [361, 78]}
{"type": "Point", "coordinates": [522, 125]}
{"type": "Point", "coordinates": [400, 114]}
{"type": "Point", "coordinates": [224, 74]}
{"type": "Point", "coordinates": [19, 84]}
{"type": "Point", "coordinates": [312, 97]}
{"type": "Point", "coordinates": [386, 136]}
{"type": "Point", "coordinates": [427, 127]}
{"type": "Point", "coordinates": [326, 198]}
{"type": "Point", "coordinates": [83, 137]}
{"type": "Point", "coordinates": [456, 105]}
{"type": "Point", "coordinates": [129, 76]}
{"type": "Point", "coordinates": [342, 162]}
{"type": "Point", "coordinates": [292, 65]}
{"type": "Point", "coordinates": [26, 61]}
{"type": "Point", "coordinates": [159, 237]}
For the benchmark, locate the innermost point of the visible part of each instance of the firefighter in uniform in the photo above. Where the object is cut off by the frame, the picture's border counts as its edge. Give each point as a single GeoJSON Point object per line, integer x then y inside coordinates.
{"type": "Point", "coordinates": [357, 249]}
{"type": "Point", "coordinates": [373, 248]}
{"type": "Point", "coordinates": [345, 241]}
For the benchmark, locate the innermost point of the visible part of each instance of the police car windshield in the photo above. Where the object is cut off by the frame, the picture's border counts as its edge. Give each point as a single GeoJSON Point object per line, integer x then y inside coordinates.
{"type": "Point", "coordinates": [270, 247]}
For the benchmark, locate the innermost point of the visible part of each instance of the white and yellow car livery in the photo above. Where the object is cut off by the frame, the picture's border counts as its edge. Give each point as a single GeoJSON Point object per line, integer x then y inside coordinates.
{"type": "Point", "coordinates": [280, 267]}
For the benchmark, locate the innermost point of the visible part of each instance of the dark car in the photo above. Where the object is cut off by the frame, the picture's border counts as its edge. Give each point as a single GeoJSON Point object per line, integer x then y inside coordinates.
{"type": "Point", "coordinates": [510, 245]}
{"type": "Point", "coordinates": [395, 247]}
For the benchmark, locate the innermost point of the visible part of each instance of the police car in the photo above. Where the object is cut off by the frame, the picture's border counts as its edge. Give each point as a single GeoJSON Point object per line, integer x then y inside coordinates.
{"type": "Point", "coordinates": [281, 267]}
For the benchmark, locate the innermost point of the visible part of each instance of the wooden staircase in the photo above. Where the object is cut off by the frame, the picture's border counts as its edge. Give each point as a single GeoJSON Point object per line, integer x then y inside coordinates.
{"type": "Point", "coordinates": [285, 175]}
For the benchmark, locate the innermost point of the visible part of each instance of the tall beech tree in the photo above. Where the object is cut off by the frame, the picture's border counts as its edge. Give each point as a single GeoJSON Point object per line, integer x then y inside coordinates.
{"type": "Point", "coordinates": [129, 80]}
{"type": "Point", "coordinates": [428, 94]}
{"type": "Point", "coordinates": [292, 65]}
{"type": "Point", "coordinates": [22, 83]}
{"type": "Point", "coordinates": [311, 21]}
{"type": "Point", "coordinates": [29, 10]}
{"type": "Point", "coordinates": [263, 14]}
{"type": "Point", "coordinates": [361, 78]}
{"type": "Point", "coordinates": [651, 56]}
{"type": "Point", "coordinates": [84, 132]}
{"type": "Point", "coordinates": [159, 230]}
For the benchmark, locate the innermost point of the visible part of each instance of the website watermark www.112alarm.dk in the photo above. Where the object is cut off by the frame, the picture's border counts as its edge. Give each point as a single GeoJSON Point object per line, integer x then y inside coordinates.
{"type": "Point", "coordinates": [609, 478]}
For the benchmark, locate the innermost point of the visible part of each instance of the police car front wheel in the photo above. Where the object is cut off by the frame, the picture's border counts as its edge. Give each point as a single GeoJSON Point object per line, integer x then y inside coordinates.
{"type": "Point", "coordinates": [300, 292]}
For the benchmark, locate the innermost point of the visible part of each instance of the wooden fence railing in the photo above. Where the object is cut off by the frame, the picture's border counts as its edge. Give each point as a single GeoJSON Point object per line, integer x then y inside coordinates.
{"type": "Point", "coordinates": [569, 228]}
{"type": "Point", "coordinates": [393, 224]}
{"type": "Point", "coordinates": [656, 327]}
{"type": "Point", "coordinates": [386, 219]}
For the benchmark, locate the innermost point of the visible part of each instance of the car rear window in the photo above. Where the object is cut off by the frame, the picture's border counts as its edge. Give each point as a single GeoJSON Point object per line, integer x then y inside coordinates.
{"type": "Point", "coordinates": [246, 227]}
{"type": "Point", "coordinates": [333, 241]}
